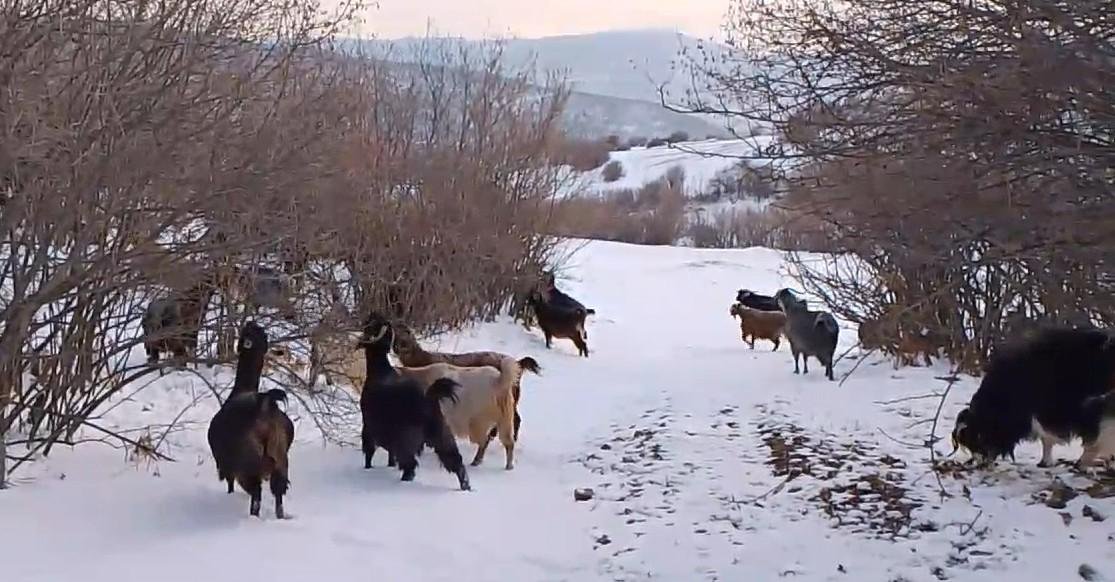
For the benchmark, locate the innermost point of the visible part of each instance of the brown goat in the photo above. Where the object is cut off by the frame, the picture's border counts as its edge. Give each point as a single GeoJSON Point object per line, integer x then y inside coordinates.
{"type": "Point", "coordinates": [412, 355]}
{"type": "Point", "coordinates": [755, 324]}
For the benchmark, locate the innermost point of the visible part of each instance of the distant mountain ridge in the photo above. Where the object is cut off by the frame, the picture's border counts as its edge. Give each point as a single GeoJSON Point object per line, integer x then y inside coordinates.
{"type": "Point", "coordinates": [615, 76]}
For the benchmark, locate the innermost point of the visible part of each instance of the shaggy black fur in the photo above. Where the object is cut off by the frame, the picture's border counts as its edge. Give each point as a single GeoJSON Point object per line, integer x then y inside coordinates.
{"type": "Point", "coordinates": [811, 333]}
{"type": "Point", "coordinates": [399, 416]}
{"type": "Point", "coordinates": [559, 315]}
{"type": "Point", "coordinates": [1059, 377]}
{"type": "Point", "coordinates": [755, 301]}
{"type": "Point", "coordinates": [250, 436]}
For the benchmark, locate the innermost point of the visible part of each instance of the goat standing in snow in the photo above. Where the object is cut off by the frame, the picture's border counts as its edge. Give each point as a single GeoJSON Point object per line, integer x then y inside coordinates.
{"type": "Point", "coordinates": [755, 324]}
{"type": "Point", "coordinates": [401, 414]}
{"type": "Point", "coordinates": [811, 333]}
{"type": "Point", "coordinates": [250, 436]}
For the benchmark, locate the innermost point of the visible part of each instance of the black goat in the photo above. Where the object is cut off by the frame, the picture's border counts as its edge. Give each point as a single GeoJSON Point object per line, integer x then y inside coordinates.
{"type": "Point", "coordinates": [753, 300]}
{"type": "Point", "coordinates": [1053, 385]}
{"type": "Point", "coordinates": [559, 315]}
{"type": "Point", "coordinates": [811, 333]}
{"type": "Point", "coordinates": [399, 415]}
{"type": "Point", "coordinates": [171, 324]}
{"type": "Point", "coordinates": [250, 435]}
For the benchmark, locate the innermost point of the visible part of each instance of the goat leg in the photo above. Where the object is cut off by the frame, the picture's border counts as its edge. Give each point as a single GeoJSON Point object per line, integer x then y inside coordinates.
{"type": "Point", "coordinates": [797, 370]}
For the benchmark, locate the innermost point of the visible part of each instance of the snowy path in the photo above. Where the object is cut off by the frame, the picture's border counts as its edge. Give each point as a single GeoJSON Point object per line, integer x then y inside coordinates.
{"type": "Point", "coordinates": [708, 462]}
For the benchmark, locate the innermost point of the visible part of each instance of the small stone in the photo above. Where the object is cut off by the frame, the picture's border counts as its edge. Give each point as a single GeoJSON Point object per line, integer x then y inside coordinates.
{"type": "Point", "coordinates": [1091, 512]}
{"type": "Point", "coordinates": [1088, 573]}
{"type": "Point", "coordinates": [1066, 517]}
{"type": "Point", "coordinates": [583, 494]}
{"type": "Point", "coordinates": [603, 539]}
{"type": "Point", "coordinates": [605, 447]}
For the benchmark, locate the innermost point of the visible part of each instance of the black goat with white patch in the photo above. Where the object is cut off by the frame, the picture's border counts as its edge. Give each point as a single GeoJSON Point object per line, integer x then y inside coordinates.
{"type": "Point", "coordinates": [749, 298]}
{"type": "Point", "coordinates": [811, 333]}
{"type": "Point", "coordinates": [250, 436]}
{"type": "Point", "coordinates": [1053, 386]}
{"type": "Point", "coordinates": [399, 415]}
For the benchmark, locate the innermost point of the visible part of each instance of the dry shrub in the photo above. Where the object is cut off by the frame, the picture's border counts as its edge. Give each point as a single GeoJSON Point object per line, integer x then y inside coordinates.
{"type": "Point", "coordinates": [654, 214]}
{"type": "Point", "coordinates": [958, 154]}
{"type": "Point", "coordinates": [749, 227]}
{"type": "Point", "coordinates": [637, 142]}
{"type": "Point", "coordinates": [613, 171]}
{"type": "Point", "coordinates": [677, 137]}
{"type": "Point", "coordinates": [149, 149]}
{"type": "Point", "coordinates": [582, 155]}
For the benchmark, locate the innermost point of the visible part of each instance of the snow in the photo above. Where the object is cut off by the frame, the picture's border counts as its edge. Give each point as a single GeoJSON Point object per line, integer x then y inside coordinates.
{"type": "Point", "coordinates": [701, 161]}
{"type": "Point", "coordinates": [708, 461]}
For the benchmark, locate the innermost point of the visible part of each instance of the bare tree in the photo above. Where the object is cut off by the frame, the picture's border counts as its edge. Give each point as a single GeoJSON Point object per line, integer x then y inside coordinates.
{"type": "Point", "coordinates": [960, 153]}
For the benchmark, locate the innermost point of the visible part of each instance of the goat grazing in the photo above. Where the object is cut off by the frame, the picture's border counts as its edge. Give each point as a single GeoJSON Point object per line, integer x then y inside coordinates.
{"type": "Point", "coordinates": [1054, 385]}
{"type": "Point", "coordinates": [172, 323]}
{"type": "Point", "coordinates": [755, 324]}
{"type": "Point", "coordinates": [749, 298]}
{"type": "Point", "coordinates": [412, 355]}
{"type": "Point", "coordinates": [250, 436]}
{"type": "Point", "coordinates": [401, 414]}
{"type": "Point", "coordinates": [811, 333]}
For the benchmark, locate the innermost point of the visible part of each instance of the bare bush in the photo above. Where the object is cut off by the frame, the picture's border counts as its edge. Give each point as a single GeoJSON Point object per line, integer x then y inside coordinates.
{"type": "Point", "coordinates": [582, 155]}
{"type": "Point", "coordinates": [182, 144]}
{"type": "Point", "coordinates": [677, 136]}
{"type": "Point", "coordinates": [612, 172]}
{"type": "Point", "coordinates": [747, 227]}
{"type": "Point", "coordinates": [958, 154]}
{"type": "Point", "coordinates": [654, 214]}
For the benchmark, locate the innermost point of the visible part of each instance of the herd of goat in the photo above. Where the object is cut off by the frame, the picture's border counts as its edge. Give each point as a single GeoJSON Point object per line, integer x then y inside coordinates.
{"type": "Point", "coordinates": [432, 399]}
{"type": "Point", "coordinates": [1053, 384]}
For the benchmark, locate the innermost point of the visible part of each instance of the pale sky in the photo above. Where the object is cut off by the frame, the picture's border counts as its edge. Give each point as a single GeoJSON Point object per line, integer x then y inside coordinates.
{"type": "Point", "coordinates": [535, 18]}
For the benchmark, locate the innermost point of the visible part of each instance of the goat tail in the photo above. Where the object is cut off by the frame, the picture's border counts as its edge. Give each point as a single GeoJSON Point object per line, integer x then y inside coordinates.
{"type": "Point", "coordinates": [442, 389]}
{"type": "Point", "coordinates": [530, 365]}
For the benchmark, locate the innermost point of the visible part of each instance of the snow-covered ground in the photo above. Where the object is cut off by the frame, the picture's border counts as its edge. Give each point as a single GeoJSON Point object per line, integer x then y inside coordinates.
{"type": "Point", "coordinates": [709, 461]}
{"type": "Point", "coordinates": [701, 161]}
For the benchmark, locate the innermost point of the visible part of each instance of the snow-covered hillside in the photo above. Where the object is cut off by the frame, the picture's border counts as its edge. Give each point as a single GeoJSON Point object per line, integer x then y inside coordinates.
{"type": "Point", "coordinates": [709, 461]}
{"type": "Point", "coordinates": [701, 160]}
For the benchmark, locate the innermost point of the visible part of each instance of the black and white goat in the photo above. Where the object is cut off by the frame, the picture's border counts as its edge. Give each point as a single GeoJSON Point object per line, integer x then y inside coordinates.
{"type": "Point", "coordinates": [250, 436]}
{"type": "Point", "coordinates": [1052, 386]}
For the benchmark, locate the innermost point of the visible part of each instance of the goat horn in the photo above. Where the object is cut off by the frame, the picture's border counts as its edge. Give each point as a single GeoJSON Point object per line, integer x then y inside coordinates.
{"type": "Point", "coordinates": [379, 336]}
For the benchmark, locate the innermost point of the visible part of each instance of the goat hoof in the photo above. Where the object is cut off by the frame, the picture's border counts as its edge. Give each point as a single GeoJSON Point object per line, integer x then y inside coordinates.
{"type": "Point", "coordinates": [1045, 464]}
{"type": "Point", "coordinates": [408, 476]}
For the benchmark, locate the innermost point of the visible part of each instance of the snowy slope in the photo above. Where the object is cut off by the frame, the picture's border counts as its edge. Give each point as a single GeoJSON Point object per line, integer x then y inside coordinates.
{"type": "Point", "coordinates": [701, 160]}
{"type": "Point", "coordinates": [709, 462]}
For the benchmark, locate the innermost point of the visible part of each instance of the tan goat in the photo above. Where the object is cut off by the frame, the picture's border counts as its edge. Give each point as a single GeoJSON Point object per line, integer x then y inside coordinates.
{"type": "Point", "coordinates": [755, 324]}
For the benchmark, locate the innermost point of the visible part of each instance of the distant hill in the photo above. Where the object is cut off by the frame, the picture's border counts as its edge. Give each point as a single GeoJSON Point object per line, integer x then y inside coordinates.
{"type": "Point", "coordinates": [614, 76]}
